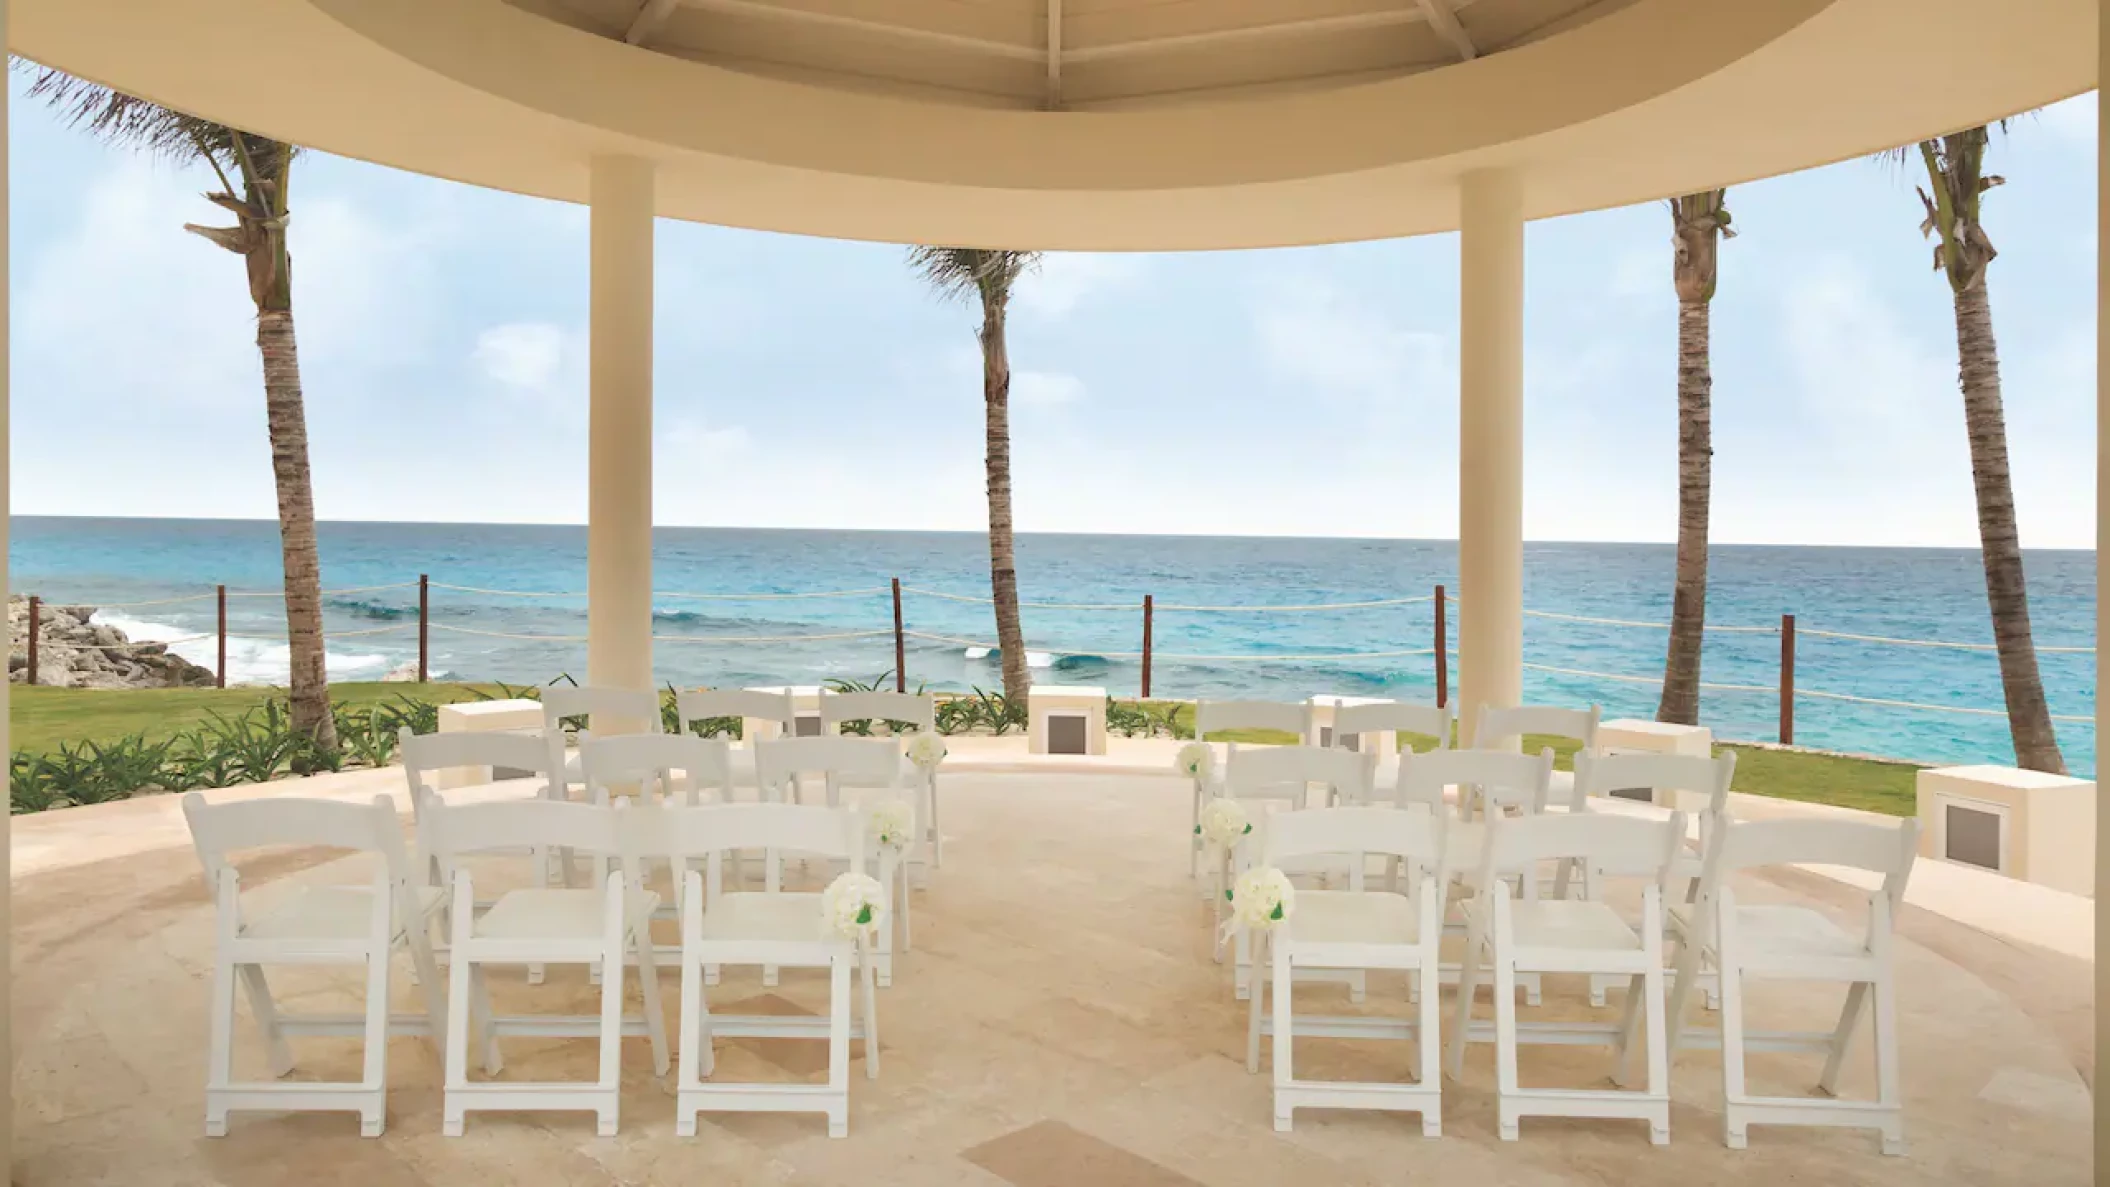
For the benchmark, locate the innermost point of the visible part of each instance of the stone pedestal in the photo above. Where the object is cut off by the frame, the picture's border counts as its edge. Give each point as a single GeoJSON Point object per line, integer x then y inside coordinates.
{"type": "Point", "coordinates": [1628, 735]}
{"type": "Point", "coordinates": [1375, 742]}
{"type": "Point", "coordinates": [520, 715]}
{"type": "Point", "coordinates": [1066, 719]}
{"type": "Point", "coordinates": [805, 707]}
{"type": "Point", "coordinates": [2025, 824]}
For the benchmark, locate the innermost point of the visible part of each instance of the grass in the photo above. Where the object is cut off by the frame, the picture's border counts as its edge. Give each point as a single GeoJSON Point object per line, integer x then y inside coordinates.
{"type": "Point", "coordinates": [43, 717]}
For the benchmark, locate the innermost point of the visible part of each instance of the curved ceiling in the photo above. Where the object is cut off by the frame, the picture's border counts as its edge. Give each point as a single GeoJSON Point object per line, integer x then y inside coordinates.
{"type": "Point", "coordinates": [1086, 124]}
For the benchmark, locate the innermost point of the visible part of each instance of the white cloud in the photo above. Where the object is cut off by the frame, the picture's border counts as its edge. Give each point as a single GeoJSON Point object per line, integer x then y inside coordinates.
{"type": "Point", "coordinates": [1065, 279]}
{"type": "Point", "coordinates": [1322, 337]}
{"type": "Point", "coordinates": [2071, 119]}
{"type": "Point", "coordinates": [1045, 389]}
{"type": "Point", "coordinates": [526, 355]}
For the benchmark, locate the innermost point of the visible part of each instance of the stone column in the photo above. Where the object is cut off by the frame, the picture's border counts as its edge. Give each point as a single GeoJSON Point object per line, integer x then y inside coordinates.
{"type": "Point", "coordinates": [2102, 545]}
{"type": "Point", "coordinates": [619, 433]}
{"type": "Point", "coordinates": [1490, 444]}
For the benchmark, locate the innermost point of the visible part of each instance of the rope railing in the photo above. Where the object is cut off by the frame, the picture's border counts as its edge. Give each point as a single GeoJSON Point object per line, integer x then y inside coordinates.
{"type": "Point", "coordinates": [953, 597]}
{"type": "Point", "coordinates": [1896, 642]}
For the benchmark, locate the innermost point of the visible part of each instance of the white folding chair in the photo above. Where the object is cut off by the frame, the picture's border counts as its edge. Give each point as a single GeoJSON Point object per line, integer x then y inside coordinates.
{"type": "Point", "coordinates": [542, 926]}
{"type": "Point", "coordinates": [1698, 786]}
{"type": "Point", "coordinates": [1501, 729]}
{"type": "Point", "coordinates": [320, 925]}
{"type": "Point", "coordinates": [607, 710]}
{"type": "Point", "coordinates": [426, 756]}
{"type": "Point", "coordinates": [1500, 780]}
{"type": "Point", "coordinates": [1354, 726]}
{"type": "Point", "coordinates": [855, 772]}
{"type": "Point", "coordinates": [1217, 716]}
{"type": "Point", "coordinates": [1272, 777]}
{"type": "Point", "coordinates": [692, 705]}
{"type": "Point", "coordinates": [1356, 930]}
{"type": "Point", "coordinates": [919, 711]}
{"type": "Point", "coordinates": [1570, 936]}
{"type": "Point", "coordinates": [657, 768]}
{"type": "Point", "coordinates": [773, 928]}
{"type": "Point", "coordinates": [1786, 942]}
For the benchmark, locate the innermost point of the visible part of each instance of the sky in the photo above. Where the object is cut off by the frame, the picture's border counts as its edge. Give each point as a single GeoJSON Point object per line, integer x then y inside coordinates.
{"type": "Point", "coordinates": [813, 383]}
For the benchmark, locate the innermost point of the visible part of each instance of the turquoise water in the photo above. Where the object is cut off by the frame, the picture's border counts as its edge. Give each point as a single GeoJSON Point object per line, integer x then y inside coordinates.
{"type": "Point", "coordinates": [1911, 593]}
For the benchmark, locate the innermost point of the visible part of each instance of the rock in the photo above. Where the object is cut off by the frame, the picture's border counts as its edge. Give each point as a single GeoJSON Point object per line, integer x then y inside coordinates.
{"type": "Point", "coordinates": [75, 652]}
{"type": "Point", "coordinates": [403, 673]}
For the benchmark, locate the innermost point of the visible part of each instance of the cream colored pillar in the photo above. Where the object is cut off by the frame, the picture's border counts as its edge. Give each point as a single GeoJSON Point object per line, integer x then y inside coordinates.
{"type": "Point", "coordinates": [1490, 444]}
{"type": "Point", "coordinates": [619, 461]}
{"type": "Point", "coordinates": [2102, 545]}
{"type": "Point", "coordinates": [7, 915]}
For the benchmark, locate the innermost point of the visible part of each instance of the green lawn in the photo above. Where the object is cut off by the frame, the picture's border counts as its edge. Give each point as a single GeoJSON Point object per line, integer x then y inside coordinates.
{"type": "Point", "coordinates": [40, 718]}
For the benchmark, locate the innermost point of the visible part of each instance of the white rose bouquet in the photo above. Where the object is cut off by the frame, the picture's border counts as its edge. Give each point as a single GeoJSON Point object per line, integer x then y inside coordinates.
{"type": "Point", "coordinates": [854, 905]}
{"type": "Point", "coordinates": [926, 750]}
{"type": "Point", "coordinates": [1223, 823]}
{"type": "Point", "coordinates": [1262, 899]}
{"type": "Point", "coordinates": [1195, 760]}
{"type": "Point", "coordinates": [893, 824]}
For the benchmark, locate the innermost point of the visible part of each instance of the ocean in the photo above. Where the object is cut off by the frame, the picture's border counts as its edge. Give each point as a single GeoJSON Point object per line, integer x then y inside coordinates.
{"type": "Point", "coordinates": [1936, 594]}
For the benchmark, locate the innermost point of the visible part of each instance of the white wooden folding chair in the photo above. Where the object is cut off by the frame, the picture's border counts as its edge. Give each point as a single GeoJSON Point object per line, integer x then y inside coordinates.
{"type": "Point", "coordinates": [1355, 930]}
{"type": "Point", "coordinates": [1697, 786]}
{"type": "Point", "coordinates": [1265, 779]}
{"type": "Point", "coordinates": [656, 769]}
{"type": "Point", "coordinates": [1498, 779]}
{"type": "Point", "coordinates": [772, 928]}
{"type": "Point", "coordinates": [854, 772]}
{"type": "Point", "coordinates": [1571, 936]}
{"type": "Point", "coordinates": [598, 925]}
{"type": "Point", "coordinates": [1217, 716]}
{"type": "Point", "coordinates": [426, 756]}
{"type": "Point", "coordinates": [1355, 725]}
{"type": "Point", "coordinates": [609, 711]}
{"type": "Point", "coordinates": [1798, 943]}
{"type": "Point", "coordinates": [1503, 729]}
{"type": "Point", "coordinates": [918, 711]}
{"type": "Point", "coordinates": [692, 705]}
{"type": "Point", "coordinates": [320, 925]}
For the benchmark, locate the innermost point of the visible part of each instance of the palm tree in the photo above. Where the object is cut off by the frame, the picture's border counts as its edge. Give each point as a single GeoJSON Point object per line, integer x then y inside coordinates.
{"type": "Point", "coordinates": [260, 209]}
{"type": "Point", "coordinates": [1955, 173]}
{"type": "Point", "coordinates": [1698, 224]}
{"type": "Point", "coordinates": [990, 276]}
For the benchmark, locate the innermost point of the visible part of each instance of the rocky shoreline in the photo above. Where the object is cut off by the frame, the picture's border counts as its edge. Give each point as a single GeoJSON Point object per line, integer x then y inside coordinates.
{"type": "Point", "coordinates": [75, 652]}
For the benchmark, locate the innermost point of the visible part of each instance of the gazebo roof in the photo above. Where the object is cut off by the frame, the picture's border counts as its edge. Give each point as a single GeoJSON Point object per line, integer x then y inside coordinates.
{"type": "Point", "coordinates": [1086, 124]}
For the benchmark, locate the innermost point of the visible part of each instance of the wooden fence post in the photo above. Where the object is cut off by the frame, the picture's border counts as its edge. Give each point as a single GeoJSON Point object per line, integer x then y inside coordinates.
{"type": "Point", "coordinates": [219, 678]}
{"type": "Point", "coordinates": [1787, 680]}
{"type": "Point", "coordinates": [1146, 646]}
{"type": "Point", "coordinates": [424, 619]}
{"type": "Point", "coordinates": [900, 644]}
{"type": "Point", "coordinates": [36, 606]}
{"type": "Point", "coordinates": [1443, 655]}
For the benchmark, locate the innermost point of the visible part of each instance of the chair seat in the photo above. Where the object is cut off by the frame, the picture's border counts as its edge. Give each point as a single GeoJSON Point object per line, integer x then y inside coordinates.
{"type": "Point", "coordinates": [1351, 917]}
{"type": "Point", "coordinates": [327, 913]}
{"type": "Point", "coordinates": [781, 917]}
{"type": "Point", "coordinates": [553, 914]}
{"type": "Point", "coordinates": [1571, 924]}
{"type": "Point", "coordinates": [1782, 934]}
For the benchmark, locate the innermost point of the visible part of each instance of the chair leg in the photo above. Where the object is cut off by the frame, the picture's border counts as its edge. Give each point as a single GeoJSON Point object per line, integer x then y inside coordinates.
{"type": "Point", "coordinates": [1842, 1037]}
{"type": "Point", "coordinates": [839, 1046]}
{"type": "Point", "coordinates": [1252, 1031]}
{"type": "Point", "coordinates": [258, 990]}
{"type": "Point", "coordinates": [1468, 988]}
{"type": "Point", "coordinates": [1888, 1093]}
{"type": "Point", "coordinates": [1428, 1038]}
{"type": "Point", "coordinates": [458, 1028]}
{"type": "Point", "coordinates": [1658, 1049]}
{"type": "Point", "coordinates": [648, 988]}
{"type": "Point", "coordinates": [374, 1076]}
{"type": "Point", "coordinates": [1505, 1045]}
{"type": "Point", "coordinates": [426, 971]}
{"type": "Point", "coordinates": [606, 1116]}
{"type": "Point", "coordinates": [871, 1012]}
{"type": "Point", "coordinates": [1629, 1028]}
{"type": "Point", "coordinates": [1285, 980]}
{"type": "Point", "coordinates": [1731, 977]}
{"type": "Point", "coordinates": [219, 1067]}
{"type": "Point", "coordinates": [937, 834]}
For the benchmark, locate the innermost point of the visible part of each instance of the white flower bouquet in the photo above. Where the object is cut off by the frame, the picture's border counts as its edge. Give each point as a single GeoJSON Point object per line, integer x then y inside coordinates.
{"type": "Point", "coordinates": [854, 905]}
{"type": "Point", "coordinates": [893, 824]}
{"type": "Point", "coordinates": [1262, 899]}
{"type": "Point", "coordinates": [1223, 823]}
{"type": "Point", "coordinates": [926, 750]}
{"type": "Point", "coordinates": [1195, 760]}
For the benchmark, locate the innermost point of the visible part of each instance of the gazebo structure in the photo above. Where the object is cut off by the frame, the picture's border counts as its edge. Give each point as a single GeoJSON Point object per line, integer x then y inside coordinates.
{"type": "Point", "coordinates": [1087, 125]}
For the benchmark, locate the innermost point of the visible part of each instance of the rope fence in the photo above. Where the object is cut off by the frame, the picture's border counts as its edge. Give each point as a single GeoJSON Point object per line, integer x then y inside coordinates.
{"type": "Point", "coordinates": [1786, 630]}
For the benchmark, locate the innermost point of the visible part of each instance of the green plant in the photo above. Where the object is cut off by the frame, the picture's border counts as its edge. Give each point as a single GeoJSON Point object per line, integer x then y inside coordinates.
{"type": "Point", "coordinates": [257, 743]}
{"type": "Point", "coordinates": [86, 772]}
{"type": "Point", "coordinates": [706, 727]}
{"type": "Point", "coordinates": [1128, 719]}
{"type": "Point", "coordinates": [1000, 712]}
{"type": "Point", "coordinates": [956, 715]}
{"type": "Point", "coordinates": [1168, 717]}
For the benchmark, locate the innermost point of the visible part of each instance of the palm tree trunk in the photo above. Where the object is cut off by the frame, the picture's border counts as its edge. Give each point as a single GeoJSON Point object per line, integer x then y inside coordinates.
{"type": "Point", "coordinates": [288, 425]}
{"type": "Point", "coordinates": [1978, 373]}
{"type": "Point", "coordinates": [1003, 567]}
{"type": "Point", "coordinates": [1688, 608]}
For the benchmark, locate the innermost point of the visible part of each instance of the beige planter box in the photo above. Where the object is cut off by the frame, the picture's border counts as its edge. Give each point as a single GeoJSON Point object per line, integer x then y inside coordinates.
{"type": "Point", "coordinates": [1628, 735]}
{"type": "Point", "coordinates": [1376, 742]}
{"type": "Point", "coordinates": [1066, 719]}
{"type": "Point", "coordinates": [2025, 824]}
{"type": "Point", "coordinates": [805, 705]}
{"type": "Point", "coordinates": [485, 715]}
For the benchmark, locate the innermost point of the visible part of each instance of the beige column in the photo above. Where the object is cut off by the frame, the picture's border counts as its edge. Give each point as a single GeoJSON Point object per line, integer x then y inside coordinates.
{"type": "Point", "coordinates": [7, 924]}
{"type": "Point", "coordinates": [619, 431]}
{"type": "Point", "coordinates": [1490, 443]}
{"type": "Point", "coordinates": [2102, 545]}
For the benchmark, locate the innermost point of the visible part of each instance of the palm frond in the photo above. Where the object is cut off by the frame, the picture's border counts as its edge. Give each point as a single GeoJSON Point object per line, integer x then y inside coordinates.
{"type": "Point", "coordinates": [127, 120]}
{"type": "Point", "coordinates": [963, 272]}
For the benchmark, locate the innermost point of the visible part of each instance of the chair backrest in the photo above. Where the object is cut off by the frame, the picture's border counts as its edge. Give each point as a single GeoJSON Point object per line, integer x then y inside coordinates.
{"type": "Point", "coordinates": [702, 704]}
{"type": "Point", "coordinates": [916, 709]}
{"type": "Point", "coordinates": [690, 832]}
{"type": "Point", "coordinates": [220, 830]}
{"type": "Point", "coordinates": [1888, 850]}
{"type": "Point", "coordinates": [603, 704]}
{"type": "Point", "coordinates": [1403, 716]}
{"type": "Point", "coordinates": [1213, 716]}
{"type": "Point", "coordinates": [453, 831]}
{"type": "Point", "coordinates": [1618, 846]}
{"type": "Point", "coordinates": [1496, 726]}
{"type": "Point", "coordinates": [843, 761]}
{"type": "Point", "coordinates": [1602, 774]}
{"type": "Point", "coordinates": [648, 762]}
{"type": "Point", "coordinates": [1504, 778]}
{"type": "Point", "coordinates": [1416, 836]}
{"type": "Point", "coordinates": [1285, 772]}
{"type": "Point", "coordinates": [425, 755]}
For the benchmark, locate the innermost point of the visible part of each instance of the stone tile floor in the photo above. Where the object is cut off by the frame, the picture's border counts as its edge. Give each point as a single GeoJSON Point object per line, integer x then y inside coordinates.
{"type": "Point", "coordinates": [1059, 1022]}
